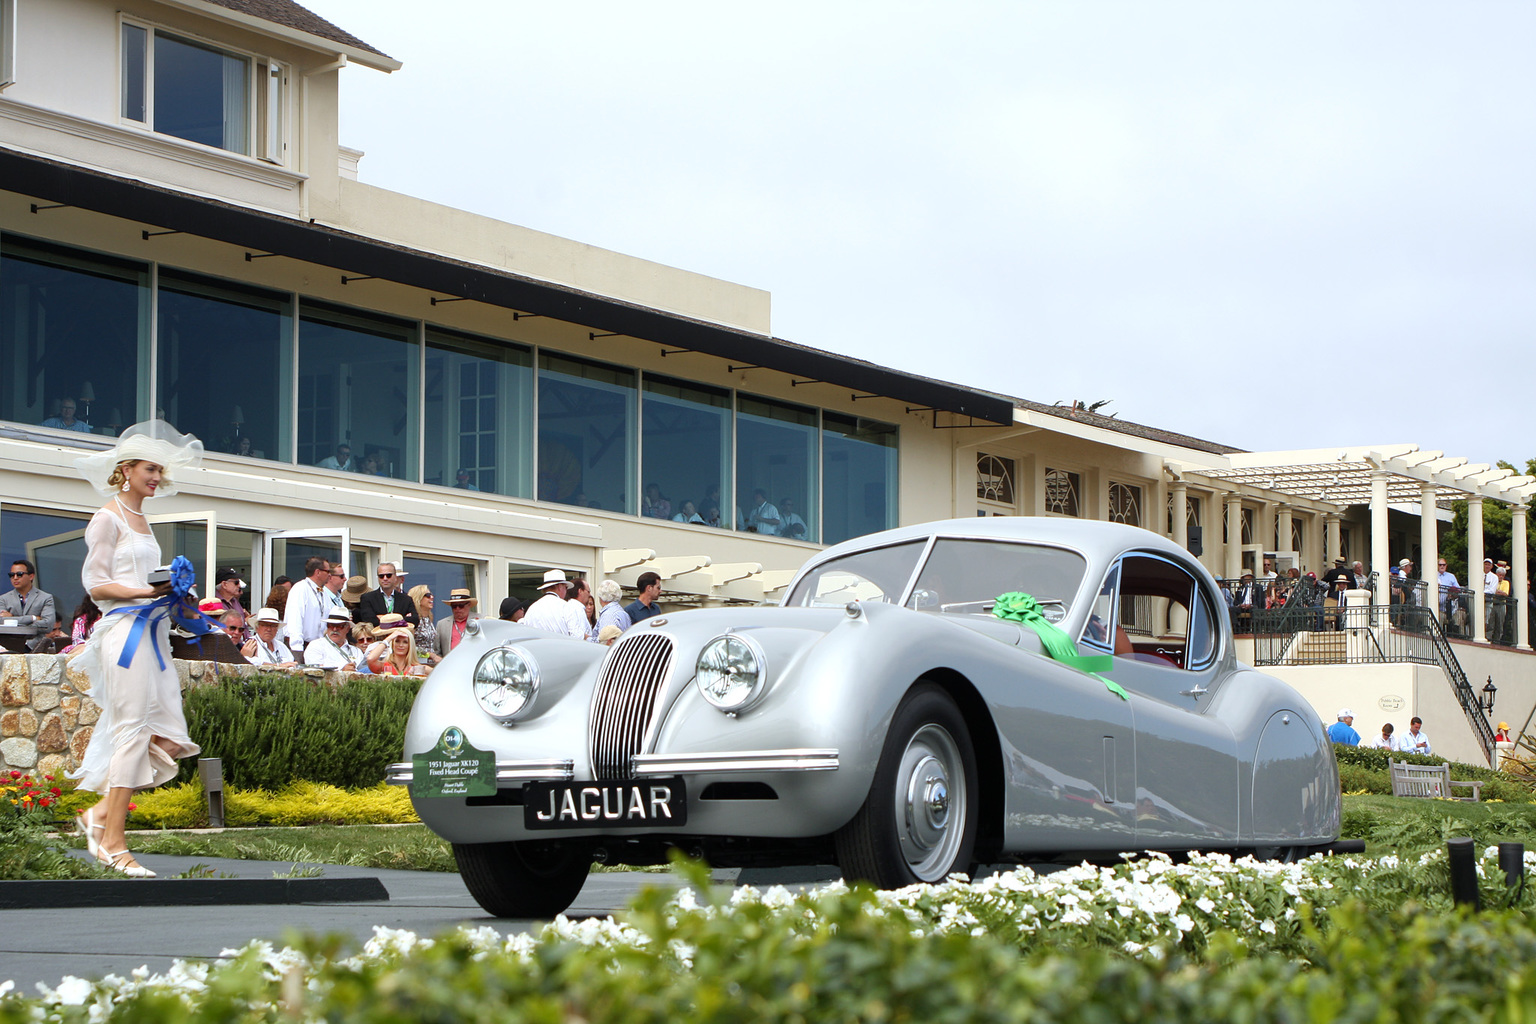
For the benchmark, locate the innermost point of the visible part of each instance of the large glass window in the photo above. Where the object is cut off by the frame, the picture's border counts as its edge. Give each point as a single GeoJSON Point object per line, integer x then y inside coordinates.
{"type": "Point", "coordinates": [74, 335]}
{"type": "Point", "coordinates": [358, 392]}
{"type": "Point", "coordinates": [442, 576]}
{"type": "Point", "coordinates": [776, 447]}
{"type": "Point", "coordinates": [226, 364]}
{"type": "Point", "coordinates": [858, 479]}
{"type": "Point", "coordinates": [686, 438]}
{"type": "Point", "coordinates": [586, 434]}
{"type": "Point", "coordinates": [187, 89]}
{"type": "Point", "coordinates": [53, 543]}
{"type": "Point", "coordinates": [479, 414]}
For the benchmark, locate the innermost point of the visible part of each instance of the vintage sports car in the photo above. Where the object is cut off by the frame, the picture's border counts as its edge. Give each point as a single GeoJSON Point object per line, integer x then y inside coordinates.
{"type": "Point", "coordinates": [899, 715]}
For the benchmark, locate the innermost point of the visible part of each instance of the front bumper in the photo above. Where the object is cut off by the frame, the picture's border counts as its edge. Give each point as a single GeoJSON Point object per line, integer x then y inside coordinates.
{"type": "Point", "coordinates": [732, 762]}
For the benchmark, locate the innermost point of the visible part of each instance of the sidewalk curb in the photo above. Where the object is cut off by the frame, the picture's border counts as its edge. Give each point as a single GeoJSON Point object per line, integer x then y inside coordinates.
{"type": "Point", "coordinates": [187, 892]}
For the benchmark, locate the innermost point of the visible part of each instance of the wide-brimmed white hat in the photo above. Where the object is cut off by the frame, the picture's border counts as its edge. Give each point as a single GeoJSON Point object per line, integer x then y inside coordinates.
{"type": "Point", "coordinates": [338, 615]}
{"type": "Point", "coordinates": [151, 441]}
{"type": "Point", "coordinates": [267, 615]}
{"type": "Point", "coordinates": [553, 578]}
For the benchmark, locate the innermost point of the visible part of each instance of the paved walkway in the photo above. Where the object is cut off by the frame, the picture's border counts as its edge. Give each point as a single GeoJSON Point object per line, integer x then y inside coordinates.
{"type": "Point", "coordinates": [45, 945]}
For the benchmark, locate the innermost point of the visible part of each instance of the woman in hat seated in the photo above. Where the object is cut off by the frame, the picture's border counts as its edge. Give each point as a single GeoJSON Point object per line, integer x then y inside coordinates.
{"type": "Point", "coordinates": [142, 730]}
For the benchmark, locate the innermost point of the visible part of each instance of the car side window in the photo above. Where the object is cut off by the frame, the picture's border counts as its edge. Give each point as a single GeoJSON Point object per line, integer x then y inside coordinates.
{"type": "Point", "coordinates": [1160, 617]}
{"type": "Point", "coordinates": [1100, 629]}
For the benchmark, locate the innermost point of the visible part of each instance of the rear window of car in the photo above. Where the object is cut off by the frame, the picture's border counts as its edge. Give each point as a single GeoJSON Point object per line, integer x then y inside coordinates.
{"type": "Point", "coordinates": [880, 574]}
{"type": "Point", "coordinates": [966, 576]}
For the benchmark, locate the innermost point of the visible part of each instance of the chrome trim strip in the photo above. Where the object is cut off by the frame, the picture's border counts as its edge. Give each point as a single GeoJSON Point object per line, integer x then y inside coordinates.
{"type": "Point", "coordinates": [718, 762]}
{"type": "Point", "coordinates": [563, 770]}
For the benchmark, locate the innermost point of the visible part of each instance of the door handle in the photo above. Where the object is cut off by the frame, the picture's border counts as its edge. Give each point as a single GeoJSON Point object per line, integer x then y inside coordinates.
{"type": "Point", "coordinates": [1196, 692]}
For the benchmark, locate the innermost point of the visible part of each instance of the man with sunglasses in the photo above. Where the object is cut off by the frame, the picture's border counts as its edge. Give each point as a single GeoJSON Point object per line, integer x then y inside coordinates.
{"type": "Point", "coordinates": [390, 597]}
{"type": "Point", "coordinates": [26, 599]}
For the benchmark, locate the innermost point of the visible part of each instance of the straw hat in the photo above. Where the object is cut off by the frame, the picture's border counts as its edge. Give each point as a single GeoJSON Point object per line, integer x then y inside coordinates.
{"type": "Point", "coordinates": [354, 589]}
{"type": "Point", "coordinates": [461, 595]}
{"type": "Point", "coordinates": [391, 620]}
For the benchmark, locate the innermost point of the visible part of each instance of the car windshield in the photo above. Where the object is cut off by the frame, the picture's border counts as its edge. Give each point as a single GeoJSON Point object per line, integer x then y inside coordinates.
{"type": "Point", "coordinates": [879, 574]}
{"type": "Point", "coordinates": [966, 576]}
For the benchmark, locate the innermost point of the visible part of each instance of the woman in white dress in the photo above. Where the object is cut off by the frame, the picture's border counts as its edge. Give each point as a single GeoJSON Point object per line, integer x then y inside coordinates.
{"type": "Point", "coordinates": [143, 729]}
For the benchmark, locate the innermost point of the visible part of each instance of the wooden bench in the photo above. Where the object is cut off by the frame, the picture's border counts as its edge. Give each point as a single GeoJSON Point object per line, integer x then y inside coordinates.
{"type": "Point", "coordinates": [1429, 780]}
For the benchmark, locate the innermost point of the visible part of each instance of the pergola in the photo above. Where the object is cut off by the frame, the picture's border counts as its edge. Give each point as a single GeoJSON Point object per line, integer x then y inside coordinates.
{"type": "Point", "coordinates": [1401, 475]}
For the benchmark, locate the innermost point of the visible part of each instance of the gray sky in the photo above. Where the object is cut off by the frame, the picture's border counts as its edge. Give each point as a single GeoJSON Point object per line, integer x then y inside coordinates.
{"type": "Point", "coordinates": [1274, 226]}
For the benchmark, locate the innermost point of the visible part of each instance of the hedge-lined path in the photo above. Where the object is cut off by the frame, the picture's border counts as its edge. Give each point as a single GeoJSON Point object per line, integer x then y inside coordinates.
{"type": "Point", "coordinates": [45, 945]}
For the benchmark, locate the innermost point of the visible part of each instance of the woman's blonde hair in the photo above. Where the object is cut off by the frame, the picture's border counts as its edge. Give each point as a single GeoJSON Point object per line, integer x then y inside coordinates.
{"type": "Point", "coordinates": [417, 592]}
{"type": "Point", "coordinates": [118, 476]}
{"type": "Point", "coordinates": [388, 640]}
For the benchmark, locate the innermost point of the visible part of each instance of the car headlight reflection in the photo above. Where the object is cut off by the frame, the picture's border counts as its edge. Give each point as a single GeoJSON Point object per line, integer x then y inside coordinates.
{"type": "Point", "coordinates": [506, 682]}
{"type": "Point", "coordinates": [731, 672]}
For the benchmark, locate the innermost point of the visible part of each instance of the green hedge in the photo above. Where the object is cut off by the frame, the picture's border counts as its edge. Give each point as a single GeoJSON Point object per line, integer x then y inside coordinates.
{"type": "Point", "coordinates": [1365, 769]}
{"type": "Point", "coordinates": [275, 728]}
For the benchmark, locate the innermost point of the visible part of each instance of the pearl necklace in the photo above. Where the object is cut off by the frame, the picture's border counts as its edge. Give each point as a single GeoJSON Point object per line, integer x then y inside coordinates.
{"type": "Point", "coordinates": [133, 549]}
{"type": "Point", "coordinates": [125, 508]}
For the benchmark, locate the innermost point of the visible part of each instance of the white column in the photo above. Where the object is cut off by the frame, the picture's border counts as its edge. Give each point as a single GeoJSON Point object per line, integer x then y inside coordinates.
{"type": "Point", "coordinates": [1234, 552]}
{"type": "Point", "coordinates": [1379, 556]}
{"type": "Point", "coordinates": [1518, 587]}
{"type": "Point", "coordinates": [1283, 527]}
{"type": "Point", "coordinates": [1330, 540]}
{"type": "Point", "coordinates": [1475, 567]}
{"type": "Point", "coordinates": [1429, 544]}
{"type": "Point", "coordinates": [1178, 494]}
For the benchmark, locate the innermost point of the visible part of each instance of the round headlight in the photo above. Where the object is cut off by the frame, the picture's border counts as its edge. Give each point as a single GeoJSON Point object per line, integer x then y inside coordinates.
{"type": "Point", "coordinates": [506, 681]}
{"type": "Point", "coordinates": [730, 672]}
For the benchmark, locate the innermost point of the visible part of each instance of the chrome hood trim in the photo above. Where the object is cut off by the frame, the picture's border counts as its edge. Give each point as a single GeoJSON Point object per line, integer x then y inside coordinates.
{"type": "Point", "coordinates": [506, 771]}
{"type": "Point", "coordinates": [716, 763]}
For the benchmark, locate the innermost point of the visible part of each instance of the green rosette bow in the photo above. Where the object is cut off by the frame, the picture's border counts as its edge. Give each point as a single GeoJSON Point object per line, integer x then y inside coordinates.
{"type": "Point", "coordinates": [1023, 608]}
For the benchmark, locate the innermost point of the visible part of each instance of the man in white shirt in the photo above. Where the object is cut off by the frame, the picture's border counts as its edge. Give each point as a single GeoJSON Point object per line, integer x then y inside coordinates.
{"type": "Point", "coordinates": [793, 525]}
{"type": "Point", "coordinates": [342, 460]}
{"type": "Point", "coordinates": [1415, 740]}
{"type": "Point", "coordinates": [1490, 588]}
{"type": "Point", "coordinates": [763, 517]}
{"type": "Point", "coordinates": [553, 613]}
{"type": "Point", "coordinates": [335, 649]}
{"type": "Point", "coordinates": [265, 648]}
{"type": "Point", "coordinates": [304, 618]}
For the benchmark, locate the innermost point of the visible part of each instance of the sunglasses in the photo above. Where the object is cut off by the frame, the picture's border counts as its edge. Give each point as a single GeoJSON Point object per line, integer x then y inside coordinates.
{"type": "Point", "coordinates": [386, 575]}
{"type": "Point", "coordinates": [15, 574]}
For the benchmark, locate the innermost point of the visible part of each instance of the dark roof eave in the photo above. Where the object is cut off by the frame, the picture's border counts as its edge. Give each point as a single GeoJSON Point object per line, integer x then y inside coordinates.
{"type": "Point", "coordinates": [357, 254]}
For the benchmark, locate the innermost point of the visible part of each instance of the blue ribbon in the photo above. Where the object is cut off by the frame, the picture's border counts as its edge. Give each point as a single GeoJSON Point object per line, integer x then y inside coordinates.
{"type": "Point", "coordinates": [175, 606]}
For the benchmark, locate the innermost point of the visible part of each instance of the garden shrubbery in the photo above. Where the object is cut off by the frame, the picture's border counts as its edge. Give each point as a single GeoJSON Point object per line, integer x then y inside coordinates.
{"type": "Point", "coordinates": [297, 803]}
{"type": "Point", "coordinates": [273, 729]}
{"type": "Point", "coordinates": [1364, 770]}
{"type": "Point", "coordinates": [1146, 941]}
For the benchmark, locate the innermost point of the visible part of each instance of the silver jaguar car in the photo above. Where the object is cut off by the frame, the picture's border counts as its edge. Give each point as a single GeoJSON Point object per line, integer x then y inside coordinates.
{"type": "Point", "coordinates": [910, 710]}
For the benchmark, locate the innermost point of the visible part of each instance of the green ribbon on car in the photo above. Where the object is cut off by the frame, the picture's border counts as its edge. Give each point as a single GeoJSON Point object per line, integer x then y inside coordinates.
{"type": "Point", "coordinates": [1022, 608]}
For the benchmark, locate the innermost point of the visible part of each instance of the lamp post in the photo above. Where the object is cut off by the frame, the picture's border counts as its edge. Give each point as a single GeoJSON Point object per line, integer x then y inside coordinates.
{"type": "Point", "coordinates": [1489, 692]}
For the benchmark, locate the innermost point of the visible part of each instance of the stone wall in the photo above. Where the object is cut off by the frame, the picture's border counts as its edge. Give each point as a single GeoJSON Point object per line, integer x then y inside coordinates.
{"type": "Point", "coordinates": [47, 715]}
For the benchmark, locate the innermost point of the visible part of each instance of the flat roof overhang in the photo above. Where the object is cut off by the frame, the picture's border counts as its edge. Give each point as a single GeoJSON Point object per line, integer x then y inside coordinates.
{"type": "Point", "coordinates": [349, 253]}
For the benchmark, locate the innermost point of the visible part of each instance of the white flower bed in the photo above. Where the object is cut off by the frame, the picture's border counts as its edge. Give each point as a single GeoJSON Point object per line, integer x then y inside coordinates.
{"type": "Point", "coordinates": [1145, 907]}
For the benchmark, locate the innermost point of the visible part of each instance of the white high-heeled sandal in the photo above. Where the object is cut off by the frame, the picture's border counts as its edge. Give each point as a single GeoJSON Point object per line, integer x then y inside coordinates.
{"type": "Point", "coordinates": [86, 823]}
{"type": "Point", "coordinates": [134, 870]}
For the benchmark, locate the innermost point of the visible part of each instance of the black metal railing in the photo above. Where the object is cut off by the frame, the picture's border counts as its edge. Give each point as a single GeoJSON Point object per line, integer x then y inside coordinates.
{"type": "Point", "coordinates": [1363, 635]}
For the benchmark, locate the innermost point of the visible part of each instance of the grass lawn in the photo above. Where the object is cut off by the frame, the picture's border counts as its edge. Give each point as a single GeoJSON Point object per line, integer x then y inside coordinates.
{"type": "Point", "coordinates": [1388, 825]}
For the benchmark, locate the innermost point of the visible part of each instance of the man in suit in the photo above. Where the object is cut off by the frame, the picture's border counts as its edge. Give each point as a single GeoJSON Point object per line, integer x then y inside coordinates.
{"type": "Point", "coordinates": [1248, 596]}
{"type": "Point", "coordinates": [390, 597]}
{"type": "Point", "coordinates": [26, 599]}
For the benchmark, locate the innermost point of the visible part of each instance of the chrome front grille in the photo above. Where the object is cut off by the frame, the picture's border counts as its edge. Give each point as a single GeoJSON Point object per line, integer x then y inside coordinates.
{"type": "Point", "coordinates": [625, 701]}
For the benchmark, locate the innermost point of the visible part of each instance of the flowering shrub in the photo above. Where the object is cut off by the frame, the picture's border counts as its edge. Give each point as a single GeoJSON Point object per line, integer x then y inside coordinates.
{"type": "Point", "coordinates": [1141, 940]}
{"type": "Point", "coordinates": [23, 795]}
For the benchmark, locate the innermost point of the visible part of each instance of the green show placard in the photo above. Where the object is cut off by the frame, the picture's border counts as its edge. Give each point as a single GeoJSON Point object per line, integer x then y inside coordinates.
{"type": "Point", "coordinates": [453, 768]}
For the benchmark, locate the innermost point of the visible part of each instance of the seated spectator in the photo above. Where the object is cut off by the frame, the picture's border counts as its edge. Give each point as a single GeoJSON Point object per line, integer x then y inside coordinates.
{"type": "Point", "coordinates": [1385, 740]}
{"type": "Point", "coordinates": [710, 513]}
{"type": "Point", "coordinates": [26, 599]}
{"type": "Point", "coordinates": [463, 480]}
{"type": "Point", "coordinates": [84, 620]}
{"type": "Point", "coordinates": [65, 420]}
{"type": "Point", "coordinates": [266, 648]}
{"type": "Point", "coordinates": [654, 504]}
{"type": "Point", "coordinates": [793, 525]}
{"type": "Point", "coordinates": [395, 654]}
{"type": "Point", "coordinates": [214, 609]}
{"type": "Point", "coordinates": [688, 514]}
{"type": "Point", "coordinates": [334, 648]}
{"type": "Point", "coordinates": [243, 447]}
{"type": "Point", "coordinates": [342, 460]}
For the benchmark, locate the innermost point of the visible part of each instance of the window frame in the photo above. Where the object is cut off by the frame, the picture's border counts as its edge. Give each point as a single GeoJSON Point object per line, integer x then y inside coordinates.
{"type": "Point", "coordinates": [268, 113]}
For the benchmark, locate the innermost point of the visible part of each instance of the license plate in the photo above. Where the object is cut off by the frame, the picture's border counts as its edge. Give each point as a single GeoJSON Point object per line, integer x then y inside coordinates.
{"type": "Point", "coordinates": [632, 803]}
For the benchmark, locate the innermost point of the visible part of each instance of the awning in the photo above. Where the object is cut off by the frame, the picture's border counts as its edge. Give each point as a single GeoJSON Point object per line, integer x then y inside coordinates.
{"type": "Point", "coordinates": [1343, 476]}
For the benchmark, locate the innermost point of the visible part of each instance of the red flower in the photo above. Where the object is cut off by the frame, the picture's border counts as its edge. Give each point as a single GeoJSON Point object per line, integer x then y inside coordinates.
{"type": "Point", "coordinates": [55, 790]}
{"type": "Point", "coordinates": [133, 807]}
{"type": "Point", "coordinates": [15, 774]}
